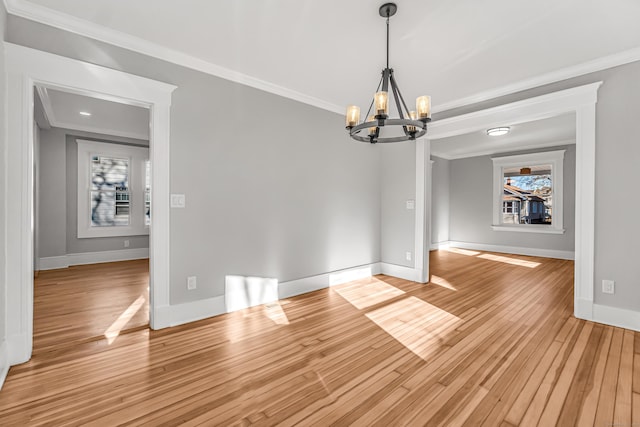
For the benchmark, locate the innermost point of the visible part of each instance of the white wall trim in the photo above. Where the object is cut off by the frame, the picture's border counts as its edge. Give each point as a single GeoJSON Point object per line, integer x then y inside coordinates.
{"type": "Point", "coordinates": [515, 250]}
{"type": "Point", "coordinates": [4, 362]}
{"type": "Point", "coordinates": [501, 150]}
{"type": "Point", "coordinates": [536, 108]}
{"type": "Point", "coordinates": [423, 205]}
{"type": "Point", "coordinates": [98, 32]}
{"type": "Point", "coordinates": [610, 61]}
{"type": "Point", "coordinates": [580, 100]}
{"type": "Point", "coordinates": [179, 314]}
{"type": "Point", "coordinates": [620, 317]}
{"type": "Point", "coordinates": [101, 33]}
{"type": "Point", "coordinates": [402, 272]}
{"type": "Point", "coordinates": [56, 262]}
{"type": "Point", "coordinates": [25, 69]}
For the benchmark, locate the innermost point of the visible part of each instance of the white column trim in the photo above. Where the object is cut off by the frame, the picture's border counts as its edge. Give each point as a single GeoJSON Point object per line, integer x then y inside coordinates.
{"type": "Point", "coordinates": [580, 100]}
{"type": "Point", "coordinates": [25, 68]}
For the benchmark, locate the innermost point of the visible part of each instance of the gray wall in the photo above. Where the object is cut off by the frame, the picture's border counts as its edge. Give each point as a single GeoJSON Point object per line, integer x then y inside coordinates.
{"type": "Point", "coordinates": [274, 188]}
{"type": "Point", "coordinates": [440, 201]}
{"type": "Point", "coordinates": [398, 184]}
{"type": "Point", "coordinates": [3, 203]}
{"type": "Point", "coordinates": [617, 152]}
{"type": "Point", "coordinates": [471, 205]}
{"type": "Point", "coordinates": [58, 171]}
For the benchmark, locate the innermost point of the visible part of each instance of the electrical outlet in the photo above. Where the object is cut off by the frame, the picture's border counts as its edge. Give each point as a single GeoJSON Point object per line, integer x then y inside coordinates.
{"type": "Point", "coordinates": [126, 243]}
{"type": "Point", "coordinates": [191, 283]}
{"type": "Point", "coordinates": [608, 286]}
{"type": "Point", "coordinates": [407, 255]}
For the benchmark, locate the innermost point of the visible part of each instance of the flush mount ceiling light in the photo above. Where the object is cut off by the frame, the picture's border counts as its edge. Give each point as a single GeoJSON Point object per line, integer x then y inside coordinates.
{"type": "Point", "coordinates": [410, 124]}
{"type": "Point", "coordinates": [498, 131]}
{"type": "Point", "coordinates": [85, 113]}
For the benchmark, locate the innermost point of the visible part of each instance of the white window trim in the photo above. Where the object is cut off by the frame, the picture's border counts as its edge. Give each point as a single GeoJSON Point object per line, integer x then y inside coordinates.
{"type": "Point", "coordinates": [556, 160]}
{"type": "Point", "coordinates": [137, 157]}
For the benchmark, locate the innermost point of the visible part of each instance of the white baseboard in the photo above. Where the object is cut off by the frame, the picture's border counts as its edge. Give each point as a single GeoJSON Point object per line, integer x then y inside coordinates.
{"type": "Point", "coordinates": [440, 245]}
{"type": "Point", "coordinates": [516, 250]}
{"type": "Point", "coordinates": [179, 314]}
{"type": "Point", "coordinates": [52, 263]}
{"type": "Point", "coordinates": [400, 271]}
{"type": "Point", "coordinates": [4, 362]}
{"type": "Point", "coordinates": [612, 316]}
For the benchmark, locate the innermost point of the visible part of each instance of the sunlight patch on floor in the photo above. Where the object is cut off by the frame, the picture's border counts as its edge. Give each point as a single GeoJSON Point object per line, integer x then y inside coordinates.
{"type": "Point", "coordinates": [275, 312]}
{"type": "Point", "coordinates": [437, 280]}
{"type": "Point", "coordinates": [512, 261]}
{"type": "Point", "coordinates": [116, 327]}
{"type": "Point", "coordinates": [462, 251]}
{"type": "Point", "coordinates": [362, 295]}
{"type": "Point", "coordinates": [416, 324]}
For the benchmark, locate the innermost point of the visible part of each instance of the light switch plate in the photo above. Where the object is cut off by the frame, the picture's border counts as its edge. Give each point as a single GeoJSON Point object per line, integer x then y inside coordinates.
{"type": "Point", "coordinates": [178, 201]}
{"type": "Point", "coordinates": [411, 204]}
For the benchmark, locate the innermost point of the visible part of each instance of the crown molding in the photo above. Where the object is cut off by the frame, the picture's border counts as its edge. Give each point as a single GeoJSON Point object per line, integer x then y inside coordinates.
{"type": "Point", "coordinates": [98, 32]}
{"type": "Point", "coordinates": [63, 21]}
{"type": "Point", "coordinates": [610, 61]}
{"type": "Point", "coordinates": [489, 152]}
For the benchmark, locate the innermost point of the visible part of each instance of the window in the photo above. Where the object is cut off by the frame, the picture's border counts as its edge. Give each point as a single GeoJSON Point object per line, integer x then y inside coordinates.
{"type": "Point", "coordinates": [113, 190]}
{"type": "Point", "coordinates": [528, 192]}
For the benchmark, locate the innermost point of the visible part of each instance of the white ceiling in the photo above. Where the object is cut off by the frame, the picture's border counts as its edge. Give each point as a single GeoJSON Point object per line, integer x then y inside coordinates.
{"type": "Point", "coordinates": [62, 110]}
{"type": "Point", "coordinates": [559, 130]}
{"type": "Point", "coordinates": [333, 51]}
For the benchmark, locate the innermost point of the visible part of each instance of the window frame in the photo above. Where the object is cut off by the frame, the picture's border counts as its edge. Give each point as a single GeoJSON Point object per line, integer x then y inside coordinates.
{"type": "Point", "coordinates": [137, 157]}
{"type": "Point", "coordinates": [553, 158]}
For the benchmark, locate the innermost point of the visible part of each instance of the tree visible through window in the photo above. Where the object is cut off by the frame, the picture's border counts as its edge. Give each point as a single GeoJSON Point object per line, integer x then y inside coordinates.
{"type": "Point", "coordinates": [528, 195]}
{"type": "Point", "coordinates": [110, 198]}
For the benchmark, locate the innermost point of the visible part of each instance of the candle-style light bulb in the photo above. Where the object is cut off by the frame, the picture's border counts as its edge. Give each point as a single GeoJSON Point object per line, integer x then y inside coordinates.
{"type": "Point", "coordinates": [382, 103]}
{"type": "Point", "coordinates": [372, 130]}
{"type": "Point", "coordinates": [353, 115]}
{"type": "Point", "coordinates": [423, 105]}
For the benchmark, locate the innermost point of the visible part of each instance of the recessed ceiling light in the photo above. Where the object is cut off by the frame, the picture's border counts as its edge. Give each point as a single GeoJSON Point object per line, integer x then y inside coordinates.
{"type": "Point", "coordinates": [498, 131]}
{"type": "Point", "coordinates": [85, 113]}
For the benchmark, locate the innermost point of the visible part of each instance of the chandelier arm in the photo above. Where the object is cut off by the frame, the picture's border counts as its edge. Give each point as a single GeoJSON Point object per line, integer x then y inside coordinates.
{"type": "Point", "coordinates": [373, 99]}
{"type": "Point", "coordinates": [395, 85]}
{"type": "Point", "coordinates": [395, 90]}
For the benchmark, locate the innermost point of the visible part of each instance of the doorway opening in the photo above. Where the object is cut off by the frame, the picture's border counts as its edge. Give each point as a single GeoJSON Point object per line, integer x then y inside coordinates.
{"type": "Point", "coordinates": [92, 187]}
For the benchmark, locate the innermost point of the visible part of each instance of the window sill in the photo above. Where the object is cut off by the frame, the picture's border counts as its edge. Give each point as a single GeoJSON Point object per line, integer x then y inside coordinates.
{"type": "Point", "coordinates": [541, 229]}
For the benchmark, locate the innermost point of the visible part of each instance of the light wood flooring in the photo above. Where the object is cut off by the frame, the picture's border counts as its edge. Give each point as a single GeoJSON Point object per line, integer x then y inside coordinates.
{"type": "Point", "coordinates": [83, 303]}
{"type": "Point", "coordinates": [491, 341]}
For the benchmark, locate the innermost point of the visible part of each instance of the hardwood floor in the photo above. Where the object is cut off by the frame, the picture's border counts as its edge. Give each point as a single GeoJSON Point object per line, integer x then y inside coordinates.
{"type": "Point", "coordinates": [491, 341]}
{"type": "Point", "coordinates": [89, 302]}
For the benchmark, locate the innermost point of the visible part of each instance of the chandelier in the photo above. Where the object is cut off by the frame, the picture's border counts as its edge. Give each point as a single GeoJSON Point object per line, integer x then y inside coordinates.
{"type": "Point", "coordinates": [413, 123]}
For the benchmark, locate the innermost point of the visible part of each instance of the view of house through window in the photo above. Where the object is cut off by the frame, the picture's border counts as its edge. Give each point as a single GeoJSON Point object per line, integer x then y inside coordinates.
{"type": "Point", "coordinates": [527, 196]}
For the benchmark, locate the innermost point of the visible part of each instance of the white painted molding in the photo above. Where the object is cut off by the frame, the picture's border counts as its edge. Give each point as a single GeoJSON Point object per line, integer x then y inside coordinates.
{"type": "Point", "coordinates": [179, 314]}
{"type": "Point", "coordinates": [614, 316]}
{"type": "Point", "coordinates": [440, 245]}
{"type": "Point", "coordinates": [610, 61]}
{"type": "Point", "coordinates": [501, 150]}
{"type": "Point", "coordinates": [529, 228]}
{"type": "Point", "coordinates": [25, 69]}
{"type": "Point", "coordinates": [95, 129]}
{"type": "Point", "coordinates": [4, 362]}
{"type": "Point", "coordinates": [515, 250]}
{"type": "Point", "coordinates": [98, 32]}
{"type": "Point", "coordinates": [56, 262]}
{"type": "Point", "coordinates": [401, 272]}
{"type": "Point", "coordinates": [46, 104]}
{"type": "Point", "coordinates": [423, 205]}
{"type": "Point", "coordinates": [537, 108]}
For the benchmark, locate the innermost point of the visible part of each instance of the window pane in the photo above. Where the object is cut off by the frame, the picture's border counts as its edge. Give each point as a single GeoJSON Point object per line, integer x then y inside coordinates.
{"type": "Point", "coordinates": [530, 191]}
{"type": "Point", "coordinates": [110, 202]}
{"type": "Point", "coordinates": [109, 208]}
